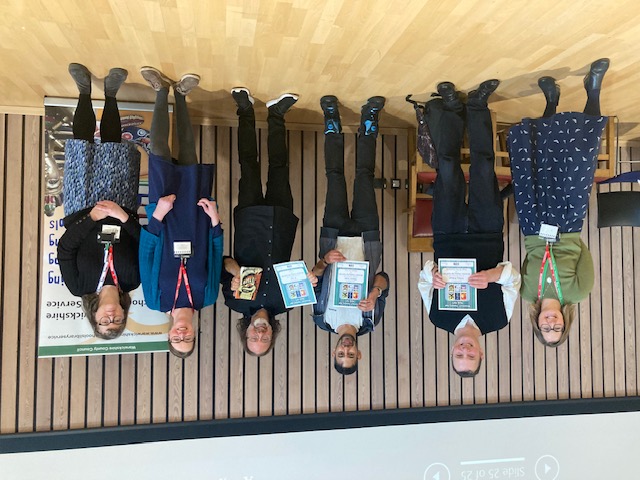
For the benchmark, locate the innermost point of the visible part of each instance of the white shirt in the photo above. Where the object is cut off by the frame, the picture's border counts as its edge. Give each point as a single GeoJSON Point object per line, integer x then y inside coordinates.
{"type": "Point", "coordinates": [467, 320]}
{"type": "Point", "coordinates": [509, 279]}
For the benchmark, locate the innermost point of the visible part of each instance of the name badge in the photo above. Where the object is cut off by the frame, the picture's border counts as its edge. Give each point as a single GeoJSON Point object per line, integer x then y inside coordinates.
{"type": "Point", "coordinates": [109, 234]}
{"type": "Point", "coordinates": [182, 249]}
{"type": "Point", "coordinates": [548, 233]}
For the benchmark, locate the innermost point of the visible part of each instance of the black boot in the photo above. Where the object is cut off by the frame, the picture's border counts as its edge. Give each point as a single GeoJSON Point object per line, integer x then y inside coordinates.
{"type": "Point", "coordinates": [329, 105]}
{"type": "Point", "coordinates": [450, 97]}
{"type": "Point", "coordinates": [369, 116]}
{"type": "Point", "coordinates": [593, 79]}
{"type": "Point", "coordinates": [479, 97]}
{"type": "Point", "coordinates": [551, 92]}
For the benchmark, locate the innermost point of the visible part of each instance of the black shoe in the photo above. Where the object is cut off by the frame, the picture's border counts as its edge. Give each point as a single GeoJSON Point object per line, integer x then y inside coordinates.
{"type": "Point", "coordinates": [550, 89]}
{"type": "Point", "coordinates": [281, 105]}
{"type": "Point", "coordinates": [242, 96]}
{"type": "Point", "coordinates": [114, 81]}
{"type": "Point", "coordinates": [479, 97]}
{"type": "Point", "coordinates": [329, 105]}
{"type": "Point", "coordinates": [450, 97]}
{"type": "Point", "coordinates": [82, 77]}
{"type": "Point", "coordinates": [593, 79]}
{"type": "Point", "coordinates": [369, 115]}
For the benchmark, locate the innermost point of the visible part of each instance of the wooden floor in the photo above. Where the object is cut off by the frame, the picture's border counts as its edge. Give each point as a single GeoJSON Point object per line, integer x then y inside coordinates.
{"type": "Point", "coordinates": [405, 361]}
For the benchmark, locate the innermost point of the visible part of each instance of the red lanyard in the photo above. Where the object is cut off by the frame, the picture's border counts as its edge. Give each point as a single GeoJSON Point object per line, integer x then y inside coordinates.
{"type": "Point", "coordinates": [548, 260]}
{"type": "Point", "coordinates": [108, 265]}
{"type": "Point", "coordinates": [182, 273]}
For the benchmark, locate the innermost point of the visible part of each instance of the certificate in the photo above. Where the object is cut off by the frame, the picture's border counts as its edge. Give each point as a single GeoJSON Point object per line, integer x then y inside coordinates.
{"type": "Point", "coordinates": [350, 283]}
{"type": "Point", "coordinates": [457, 293]}
{"type": "Point", "coordinates": [295, 286]}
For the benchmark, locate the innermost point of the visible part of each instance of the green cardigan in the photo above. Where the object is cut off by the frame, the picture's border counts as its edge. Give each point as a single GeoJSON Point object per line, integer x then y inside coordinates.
{"type": "Point", "coordinates": [575, 268]}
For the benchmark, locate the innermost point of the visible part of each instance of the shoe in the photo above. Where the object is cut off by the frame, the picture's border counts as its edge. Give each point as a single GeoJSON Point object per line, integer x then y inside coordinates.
{"type": "Point", "coordinates": [369, 116]}
{"type": "Point", "coordinates": [186, 83]}
{"type": "Point", "coordinates": [243, 98]}
{"type": "Point", "coordinates": [155, 78]}
{"type": "Point", "coordinates": [82, 77]}
{"type": "Point", "coordinates": [550, 89]}
{"type": "Point", "coordinates": [329, 105]}
{"type": "Point", "coordinates": [593, 79]}
{"type": "Point", "coordinates": [114, 80]}
{"type": "Point", "coordinates": [480, 96]}
{"type": "Point", "coordinates": [281, 105]}
{"type": "Point", "coordinates": [450, 97]}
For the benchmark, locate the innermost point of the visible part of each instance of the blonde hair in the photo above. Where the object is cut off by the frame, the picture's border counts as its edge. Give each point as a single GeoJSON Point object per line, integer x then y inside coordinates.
{"type": "Point", "coordinates": [568, 313]}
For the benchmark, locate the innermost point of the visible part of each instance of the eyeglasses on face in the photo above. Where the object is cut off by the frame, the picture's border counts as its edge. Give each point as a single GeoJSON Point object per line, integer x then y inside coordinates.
{"type": "Point", "coordinates": [546, 328]}
{"type": "Point", "coordinates": [105, 321]}
{"type": "Point", "coordinates": [182, 338]}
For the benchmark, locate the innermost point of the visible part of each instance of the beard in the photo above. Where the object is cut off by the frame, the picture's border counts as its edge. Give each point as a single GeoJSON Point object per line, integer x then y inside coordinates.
{"type": "Point", "coordinates": [348, 336]}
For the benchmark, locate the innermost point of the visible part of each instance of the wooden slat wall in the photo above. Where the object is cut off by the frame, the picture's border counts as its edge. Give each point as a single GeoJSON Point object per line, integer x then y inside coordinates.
{"type": "Point", "coordinates": [406, 360]}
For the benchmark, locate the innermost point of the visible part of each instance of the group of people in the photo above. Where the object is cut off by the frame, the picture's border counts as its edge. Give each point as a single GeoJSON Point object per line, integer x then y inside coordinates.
{"type": "Point", "coordinates": [553, 161]}
{"type": "Point", "coordinates": [179, 260]}
{"type": "Point", "coordinates": [178, 257]}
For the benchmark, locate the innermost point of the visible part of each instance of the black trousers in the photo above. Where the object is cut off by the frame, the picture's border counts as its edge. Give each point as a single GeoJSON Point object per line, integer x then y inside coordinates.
{"type": "Point", "coordinates": [364, 211]}
{"type": "Point", "coordinates": [160, 129]}
{"type": "Point", "coordinates": [451, 214]}
{"type": "Point", "coordinates": [250, 188]}
{"type": "Point", "coordinates": [84, 120]}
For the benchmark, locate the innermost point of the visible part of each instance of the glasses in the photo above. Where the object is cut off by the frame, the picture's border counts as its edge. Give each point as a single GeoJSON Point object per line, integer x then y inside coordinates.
{"type": "Point", "coordinates": [264, 339]}
{"type": "Point", "coordinates": [105, 321]}
{"type": "Point", "coordinates": [546, 328]}
{"type": "Point", "coordinates": [182, 338]}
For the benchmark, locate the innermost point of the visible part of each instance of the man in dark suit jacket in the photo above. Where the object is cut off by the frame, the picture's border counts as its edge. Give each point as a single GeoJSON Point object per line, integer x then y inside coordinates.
{"type": "Point", "coordinates": [468, 230]}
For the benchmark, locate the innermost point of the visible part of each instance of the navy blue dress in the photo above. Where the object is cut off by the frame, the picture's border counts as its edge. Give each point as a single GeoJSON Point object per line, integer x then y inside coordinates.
{"type": "Point", "coordinates": [553, 161]}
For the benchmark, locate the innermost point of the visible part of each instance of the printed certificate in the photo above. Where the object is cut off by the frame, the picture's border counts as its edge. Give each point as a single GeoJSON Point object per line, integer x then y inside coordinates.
{"type": "Point", "coordinates": [350, 283]}
{"type": "Point", "coordinates": [295, 286]}
{"type": "Point", "coordinates": [457, 293]}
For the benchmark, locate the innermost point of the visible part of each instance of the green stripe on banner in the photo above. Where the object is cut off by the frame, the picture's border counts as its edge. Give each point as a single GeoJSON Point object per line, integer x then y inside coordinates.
{"type": "Point", "coordinates": [102, 349]}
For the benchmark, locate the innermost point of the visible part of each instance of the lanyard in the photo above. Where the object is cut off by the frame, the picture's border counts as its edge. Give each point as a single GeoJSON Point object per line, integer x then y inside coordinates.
{"type": "Point", "coordinates": [549, 261]}
{"type": "Point", "coordinates": [182, 273]}
{"type": "Point", "coordinates": [108, 265]}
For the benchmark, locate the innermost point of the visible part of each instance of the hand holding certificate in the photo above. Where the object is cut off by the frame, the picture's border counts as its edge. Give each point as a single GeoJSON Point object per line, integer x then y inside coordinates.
{"type": "Point", "coordinates": [350, 283]}
{"type": "Point", "coordinates": [457, 293]}
{"type": "Point", "coordinates": [295, 284]}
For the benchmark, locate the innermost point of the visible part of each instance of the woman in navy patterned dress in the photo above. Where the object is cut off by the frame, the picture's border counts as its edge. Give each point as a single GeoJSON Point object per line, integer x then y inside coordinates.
{"type": "Point", "coordinates": [100, 186]}
{"type": "Point", "coordinates": [553, 161]}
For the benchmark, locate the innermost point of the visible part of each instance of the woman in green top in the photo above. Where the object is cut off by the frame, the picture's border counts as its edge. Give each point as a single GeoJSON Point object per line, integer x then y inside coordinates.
{"type": "Point", "coordinates": [553, 161]}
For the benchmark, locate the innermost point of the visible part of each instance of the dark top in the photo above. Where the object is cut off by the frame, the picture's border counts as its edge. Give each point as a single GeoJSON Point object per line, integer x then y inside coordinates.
{"type": "Point", "coordinates": [264, 236]}
{"type": "Point", "coordinates": [185, 222]}
{"type": "Point", "coordinates": [81, 257]}
{"type": "Point", "coordinates": [487, 249]}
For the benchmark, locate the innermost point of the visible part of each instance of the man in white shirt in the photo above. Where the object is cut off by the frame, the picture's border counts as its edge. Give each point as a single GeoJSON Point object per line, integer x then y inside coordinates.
{"type": "Point", "coordinates": [470, 230]}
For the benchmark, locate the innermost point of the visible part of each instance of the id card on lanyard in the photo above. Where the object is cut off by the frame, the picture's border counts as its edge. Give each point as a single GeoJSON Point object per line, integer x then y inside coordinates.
{"type": "Point", "coordinates": [549, 262]}
{"type": "Point", "coordinates": [108, 266]}
{"type": "Point", "coordinates": [182, 273]}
